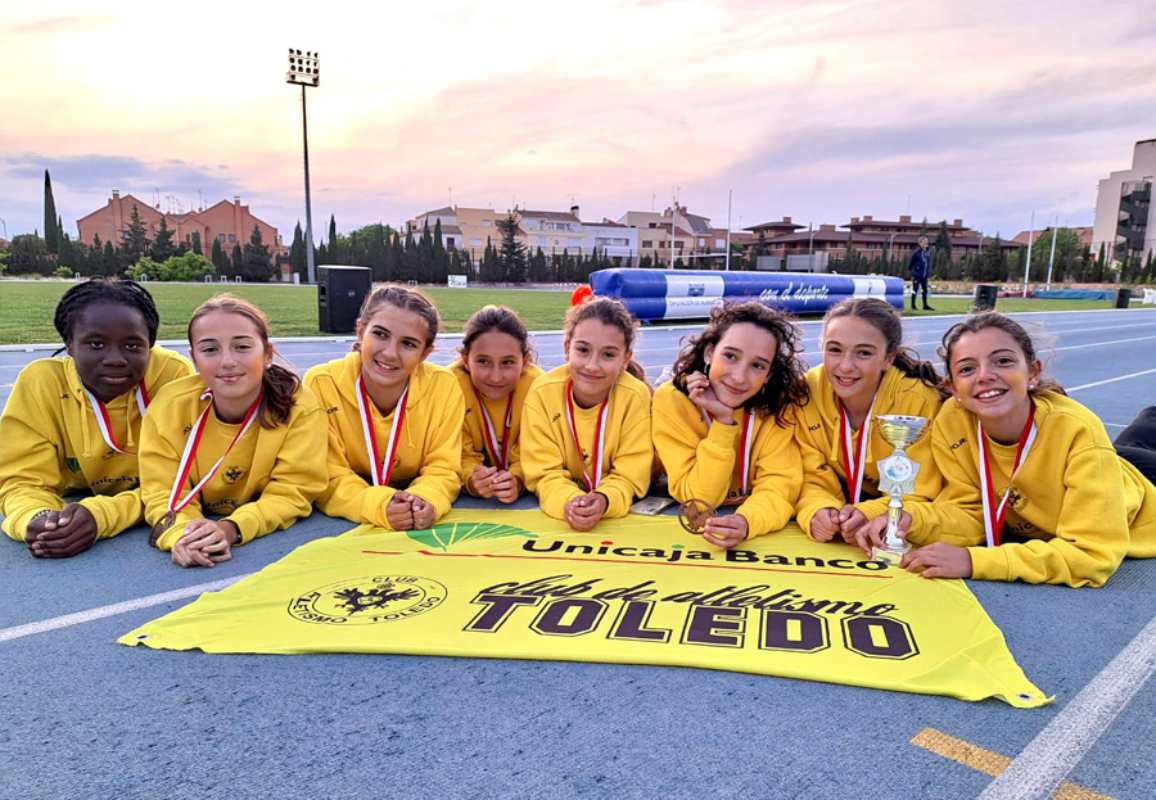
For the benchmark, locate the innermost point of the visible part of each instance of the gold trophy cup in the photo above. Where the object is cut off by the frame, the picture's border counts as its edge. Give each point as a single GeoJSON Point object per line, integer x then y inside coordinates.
{"type": "Point", "coordinates": [896, 478]}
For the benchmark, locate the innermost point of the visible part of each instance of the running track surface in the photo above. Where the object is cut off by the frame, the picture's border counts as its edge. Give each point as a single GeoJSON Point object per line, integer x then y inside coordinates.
{"type": "Point", "coordinates": [81, 717]}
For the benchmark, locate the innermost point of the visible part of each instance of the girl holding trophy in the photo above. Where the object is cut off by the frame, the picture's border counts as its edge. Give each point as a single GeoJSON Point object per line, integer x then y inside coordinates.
{"type": "Point", "coordinates": [1033, 490]}
{"type": "Point", "coordinates": [586, 446]}
{"type": "Point", "coordinates": [865, 374]}
{"type": "Point", "coordinates": [395, 420]}
{"type": "Point", "coordinates": [495, 371]}
{"type": "Point", "coordinates": [721, 425]}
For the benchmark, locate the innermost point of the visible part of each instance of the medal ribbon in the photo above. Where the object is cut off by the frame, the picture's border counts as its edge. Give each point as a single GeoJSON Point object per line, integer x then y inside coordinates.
{"type": "Point", "coordinates": [104, 421]}
{"type": "Point", "coordinates": [382, 469]}
{"type": "Point", "coordinates": [500, 457]}
{"type": "Point", "coordinates": [746, 442]}
{"type": "Point", "coordinates": [993, 515]}
{"type": "Point", "coordinates": [591, 481]}
{"type": "Point", "coordinates": [193, 442]}
{"type": "Point", "coordinates": [854, 470]}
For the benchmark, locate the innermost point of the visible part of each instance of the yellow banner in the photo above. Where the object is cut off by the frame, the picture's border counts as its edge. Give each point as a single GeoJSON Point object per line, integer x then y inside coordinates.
{"type": "Point", "coordinates": [518, 584]}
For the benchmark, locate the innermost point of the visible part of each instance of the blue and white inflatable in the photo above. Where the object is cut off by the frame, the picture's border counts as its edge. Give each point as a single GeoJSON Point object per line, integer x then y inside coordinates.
{"type": "Point", "coordinates": [666, 294]}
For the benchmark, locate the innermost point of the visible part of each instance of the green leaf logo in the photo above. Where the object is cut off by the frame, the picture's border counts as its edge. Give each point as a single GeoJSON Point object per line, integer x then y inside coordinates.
{"type": "Point", "coordinates": [448, 534]}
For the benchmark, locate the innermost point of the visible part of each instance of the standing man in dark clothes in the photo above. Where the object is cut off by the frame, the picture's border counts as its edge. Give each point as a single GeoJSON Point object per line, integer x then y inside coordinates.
{"type": "Point", "coordinates": [920, 268]}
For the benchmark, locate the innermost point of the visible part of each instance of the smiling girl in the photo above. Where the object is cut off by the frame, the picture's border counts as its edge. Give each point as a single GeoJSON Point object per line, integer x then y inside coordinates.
{"type": "Point", "coordinates": [1033, 490]}
{"type": "Point", "coordinates": [495, 371]}
{"type": "Point", "coordinates": [586, 446]}
{"type": "Point", "coordinates": [72, 424]}
{"type": "Point", "coordinates": [865, 373]}
{"type": "Point", "coordinates": [721, 425]}
{"type": "Point", "coordinates": [395, 420]}
{"type": "Point", "coordinates": [229, 454]}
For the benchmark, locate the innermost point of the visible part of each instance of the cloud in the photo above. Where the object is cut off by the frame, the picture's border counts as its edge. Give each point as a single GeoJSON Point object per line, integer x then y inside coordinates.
{"type": "Point", "coordinates": [57, 25]}
{"type": "Point", "coordinates": [101, 173]}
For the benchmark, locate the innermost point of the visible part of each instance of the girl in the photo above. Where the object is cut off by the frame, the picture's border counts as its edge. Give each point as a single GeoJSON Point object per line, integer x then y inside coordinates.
{"type": "Point", "coordinates": [1029, 472]}
{"type": "Point", "coordinates": [239, 440]}
{"type": "Point", "coordinates": [495, 372]}
{"type": "Point", "coordinates": [720, 426]}
{"type": "Point", "coordinates": [586, 446]}
{"type": "Point", "coordinates": [395, 420]}
{"type": "Point", "coordinates": [72, 424]}
{"type": "Point", "coordinates": [865, 374]}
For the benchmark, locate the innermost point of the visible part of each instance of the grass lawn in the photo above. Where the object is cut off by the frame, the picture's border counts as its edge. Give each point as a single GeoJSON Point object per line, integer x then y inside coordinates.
{"type": "Point", "coordinates": [26, 307]}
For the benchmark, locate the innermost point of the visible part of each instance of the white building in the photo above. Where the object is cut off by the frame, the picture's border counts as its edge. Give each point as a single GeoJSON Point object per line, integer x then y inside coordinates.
{"type": "Point", "coordinates": [1125, 216]}
{"type": "Point", "coordinates": [615, 240]}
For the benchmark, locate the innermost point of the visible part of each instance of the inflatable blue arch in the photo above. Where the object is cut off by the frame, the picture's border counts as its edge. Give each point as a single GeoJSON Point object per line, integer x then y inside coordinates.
{"type": "Point", "coordinates": [667, 294]}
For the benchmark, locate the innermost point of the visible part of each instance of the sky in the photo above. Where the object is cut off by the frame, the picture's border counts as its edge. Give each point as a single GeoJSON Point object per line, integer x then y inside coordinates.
{"type": "Point", "coordinates": [816, 110]}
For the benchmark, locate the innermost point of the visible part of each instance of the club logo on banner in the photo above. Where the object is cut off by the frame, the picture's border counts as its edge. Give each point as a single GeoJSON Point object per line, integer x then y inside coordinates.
{"type": "Point", "coordinates": [365, 601]}
{"type": "Point", "coordinates": [517, 584]}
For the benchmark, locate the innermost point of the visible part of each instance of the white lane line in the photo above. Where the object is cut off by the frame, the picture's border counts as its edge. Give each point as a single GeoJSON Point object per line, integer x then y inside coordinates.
{"type": "Point", "coordinates": [1110, 341]}
{"type": "Point", "coordinates": [100, 612]}
{"type": "Point", "coordinates": [1109, 380]}
{"type": "Point", "coordinates": [1059, 747]}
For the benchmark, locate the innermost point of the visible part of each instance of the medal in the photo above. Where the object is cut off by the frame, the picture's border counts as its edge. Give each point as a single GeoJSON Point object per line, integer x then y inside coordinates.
{"type": "Point", "coordinates": [500, 457]}
{"type": "Point", "coordinates": [104, 421]}
{"type": "Point", "coordinates": [854, 458]}
{"type": "Point", "coordinates": [591, 478]}
{"type": "Point", "coordinates": [185, 466]}
{"type": "Point", "coordinates": [693, 515]}
{"type": "Point", "coordinates": [993, 515]}
{"type": "Point", "coordinates": [380, 470]}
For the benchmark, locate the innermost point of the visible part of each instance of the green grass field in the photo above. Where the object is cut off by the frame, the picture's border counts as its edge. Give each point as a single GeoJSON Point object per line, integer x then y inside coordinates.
{"type": "Point", "coordinates": [26, 307]}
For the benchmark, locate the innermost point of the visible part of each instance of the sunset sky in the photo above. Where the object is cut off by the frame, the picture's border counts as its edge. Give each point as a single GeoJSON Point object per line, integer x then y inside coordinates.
{"type": "Point", "coordinates": [817, 110]}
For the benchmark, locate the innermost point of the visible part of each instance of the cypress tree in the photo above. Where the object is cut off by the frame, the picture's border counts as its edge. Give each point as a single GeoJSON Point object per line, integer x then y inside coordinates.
{"type": "Point", "coordinates": [237, 261]}
{"type": "Point", "coordinates": [218, 257]}
{"type": "Point", "coordinates": [196, 237]}
{"type": "Point", "coordinates": [513, 258]}
{"type": "Point", "coordinates": [162, 246]}
{"type": "Point", "coordinates": [51, 231]}
{"type": "Point", "coordinates": [136, 243]}
{"type": "Point", "coordinates": [258, 264]}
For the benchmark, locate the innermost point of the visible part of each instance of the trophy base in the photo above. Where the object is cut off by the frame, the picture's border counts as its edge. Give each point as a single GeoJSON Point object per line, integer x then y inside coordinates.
{"type": "Point", "coordinates": [890, 555]}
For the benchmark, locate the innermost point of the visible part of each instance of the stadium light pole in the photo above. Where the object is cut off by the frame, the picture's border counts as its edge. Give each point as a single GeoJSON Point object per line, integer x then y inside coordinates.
{"type": "Point", "coordinates": [1028, 265]}
{"type": "Point", "coordinates": [305, 70]}
{"type": "Point", "coordinates": [1052, 256]}
{"type": "Point", "coordinates": [730, 193]}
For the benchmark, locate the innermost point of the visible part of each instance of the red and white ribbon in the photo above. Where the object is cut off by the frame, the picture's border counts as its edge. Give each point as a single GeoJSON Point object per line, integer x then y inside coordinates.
{"type": "Point", "coordinates": [590, 477]}
{"type": "Point", "coordinates": [854, 455]}
{"type": "Point", "coordinates": [380, 469]}
{"type": "Point", "coordinates": [500, 456]}
{"type": "Point", "coordinates": [176, 502]}
{"type": "Point", "coordinates": [993, 515]}
{"type": "Point", "coordinates": [746, 442]}
{"type": "Point", "coordinates": [104, 421]}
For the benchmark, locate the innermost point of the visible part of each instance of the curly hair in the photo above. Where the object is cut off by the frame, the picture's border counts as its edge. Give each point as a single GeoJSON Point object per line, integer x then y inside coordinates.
{"type": "Point", "coordinates": [785, 385]}
{"type": "Point", "coordinates": [279, 385]}
{"type": "Point", "coordinates": [118, 291]}
{"type": "Point", "coordinates": [993, 319]}
{"type": "Point", "coordinates": [881, 316]}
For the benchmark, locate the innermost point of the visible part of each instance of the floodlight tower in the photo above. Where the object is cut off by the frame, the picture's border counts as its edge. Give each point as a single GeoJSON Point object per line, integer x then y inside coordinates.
{"type": "Point", "coordinates": [305, 70]}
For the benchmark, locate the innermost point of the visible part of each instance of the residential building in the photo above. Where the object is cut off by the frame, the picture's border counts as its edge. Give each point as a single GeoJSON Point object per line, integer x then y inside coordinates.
{"type": "Point", "coordinates": [617, 241]}
{"type": "Point", "coordinates": [871, 238]}
{"type": "Point", "coordinates": [229, 223]}
{"type": "Point", "coordinates": [463, 228]}
{"type": "Point", "coordinates": [1125, 215]}
{"type": "Point", "coordinates": [1085, 235]}
{"type": "Point", "coordinates": [656, 239]}
{"type": "Point", "coordinates": [552, 231]}
{"type": "Point", "coordinates": [452, 237]}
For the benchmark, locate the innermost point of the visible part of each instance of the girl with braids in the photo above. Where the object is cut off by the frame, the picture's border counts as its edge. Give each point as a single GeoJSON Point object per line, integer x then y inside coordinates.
{"type": "Point", "coordinates": [721, 426]}
{"type": "Point", "coordinates": [72, 424]}
{"type": "Point", "coordinates": [865, 373]}
{"type": "Point", "coordinates": [395, 420]}
{"type": "Point", "coordinates": [1033, 489]}
{"type": "Point", "coordinates": [238, 442]}
{"type": "Point", "coordinates": [495, 371]}
{"type": "Point", "coordinates": [586, 446]}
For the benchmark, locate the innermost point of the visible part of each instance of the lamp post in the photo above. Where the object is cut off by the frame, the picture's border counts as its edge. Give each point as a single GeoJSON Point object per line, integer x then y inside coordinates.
{"type": "Point", "coordinates": [305, 70]}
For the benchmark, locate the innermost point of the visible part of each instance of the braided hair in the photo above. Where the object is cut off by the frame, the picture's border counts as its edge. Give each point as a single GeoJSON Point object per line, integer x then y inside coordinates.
{"type": "Point", "coordinates": [118, 291]}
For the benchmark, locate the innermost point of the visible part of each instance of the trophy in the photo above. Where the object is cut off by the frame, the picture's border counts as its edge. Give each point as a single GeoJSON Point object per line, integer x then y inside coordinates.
{"type": "Point", "coordinates": [896, 478]}
{"type": "Point", "coordinates": [693, 514]}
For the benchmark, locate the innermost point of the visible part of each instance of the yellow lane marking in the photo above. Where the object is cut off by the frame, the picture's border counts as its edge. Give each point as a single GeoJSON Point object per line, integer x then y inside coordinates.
{"type": "Point", "coordinates": [987, 762]}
